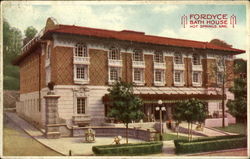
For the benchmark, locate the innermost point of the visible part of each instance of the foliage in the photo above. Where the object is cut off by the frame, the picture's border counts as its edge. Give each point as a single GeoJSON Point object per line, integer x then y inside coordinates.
{"type": "Point", "coordinates": [240, 66]}
{"type": "Point", "coordinates": [238, 106]}
{"type": "Point", "coordinates": [219, 42]}
{"type": "Point", "coordinates": [30, 32]}
{"type": "Point", "coordinates": [192, 110]}
{"type": "Point", "coordinates": [128, 149]}
{"type": "Point", "coordinates": [210, 144]}
{"type": "Point", "coordinates": [12, 43]}
{"type": "Point", "coordinates": [125, 106]}
{"type": "Point", "coordinates": [238, 128]}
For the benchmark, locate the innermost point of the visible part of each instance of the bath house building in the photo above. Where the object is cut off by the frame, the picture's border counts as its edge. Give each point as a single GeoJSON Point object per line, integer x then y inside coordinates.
{"type": "Point", "coordinates": [84, 62]}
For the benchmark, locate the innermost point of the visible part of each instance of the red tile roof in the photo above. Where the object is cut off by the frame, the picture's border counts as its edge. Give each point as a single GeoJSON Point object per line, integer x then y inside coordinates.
{"type": "Point", "coordinates": [127, 35]}
{"type": "Point", "coordinates": [138, 37]}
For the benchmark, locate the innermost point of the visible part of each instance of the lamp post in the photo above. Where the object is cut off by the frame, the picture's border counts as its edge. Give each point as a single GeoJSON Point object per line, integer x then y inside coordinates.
{"type": "Point", "coordinates": [160, 108]}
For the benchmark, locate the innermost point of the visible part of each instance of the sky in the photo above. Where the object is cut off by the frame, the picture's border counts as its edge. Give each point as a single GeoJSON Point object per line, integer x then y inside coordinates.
{"type": "Point", "coordinates": [153, 18]}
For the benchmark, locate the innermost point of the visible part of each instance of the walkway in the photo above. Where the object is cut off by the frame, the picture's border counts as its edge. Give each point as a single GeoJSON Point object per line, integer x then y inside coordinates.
{"type": "Point", "coordinates": [207, 131]}
{"type": "Point", "coordinates": [64, 144]}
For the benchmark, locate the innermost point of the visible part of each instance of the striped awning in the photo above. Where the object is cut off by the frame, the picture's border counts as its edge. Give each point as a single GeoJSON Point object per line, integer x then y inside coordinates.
{"type": "Point", "coordinates": [173, 94]}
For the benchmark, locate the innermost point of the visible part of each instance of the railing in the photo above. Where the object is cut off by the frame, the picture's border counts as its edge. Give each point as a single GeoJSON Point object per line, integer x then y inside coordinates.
{"type": "Point", "coordinates": [197, 68]}
{"type": "Point", "coordinates": [117, 63]}
{"type": "Point", "coordinates": [159, 65]}
{"type": "Point", "coordinates": [178, 83]}
{"type": "Point", "coordinates": [80, 81]}
{"type": "Point", "coordinates": [138, 64]}
{"type": "Point", "coordinates": [33, 41]}
{"type": "Point", "coordinates": [179, 66]}
{"type": "Point", "coordinates": [159, 83]}
{"type": "Point", "coordinates": [81, 119]}
{"type": "Point", "coordinates": [81, 60]}
{"type": "Point", "coordinates": [196, 84]}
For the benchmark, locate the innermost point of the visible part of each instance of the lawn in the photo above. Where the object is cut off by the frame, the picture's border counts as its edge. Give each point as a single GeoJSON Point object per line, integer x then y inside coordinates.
{"type": "Point", "coordinates": [167, 136]}
{"type": "Point", "coordinates": [238, 128]}
{"type": "Point", "coordinates": [17, 143]}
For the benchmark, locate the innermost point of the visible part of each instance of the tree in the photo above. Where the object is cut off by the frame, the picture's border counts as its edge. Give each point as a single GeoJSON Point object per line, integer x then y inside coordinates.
{"type": "Point", "coordinates": [224, 76]}
{"type": "Point", "coordinates": [30, 32]}
{"type": "Point", "coordinates": [125, 106]}
{"type": "Point", "coordinates": [12, 43]}
{"type": "Point", "coordinates": [191, 111]}
{"type": "Point", "coordinates": [238, 106]}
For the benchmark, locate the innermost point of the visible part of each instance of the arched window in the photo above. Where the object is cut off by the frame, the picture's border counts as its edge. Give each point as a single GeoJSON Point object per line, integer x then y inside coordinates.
{"type": "Point", "coordinates": [114, 53]}
{"type": "Point", "coordinates": [81, 50]}
{"type": "Point", "coordinates": [196, 59]}
{"type": "Point", "coordinates": [137, 55]}
{"type": "Point", "coordinates": [178, 59]}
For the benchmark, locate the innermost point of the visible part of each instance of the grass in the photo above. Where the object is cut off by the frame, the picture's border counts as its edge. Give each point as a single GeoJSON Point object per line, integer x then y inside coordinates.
{"type": "Point", "coordinates": [167, 137]}
{"type": "Point", "coordinates": [238, 128]}
{"type": "Point", "coordinates": [17, 143]}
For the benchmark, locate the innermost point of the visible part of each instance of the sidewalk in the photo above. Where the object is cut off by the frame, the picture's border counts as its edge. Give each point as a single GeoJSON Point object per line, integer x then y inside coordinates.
{"type": "Point", "coordinates": [208, 131]}
{"type": "Point", "coordinates": [64, 144]}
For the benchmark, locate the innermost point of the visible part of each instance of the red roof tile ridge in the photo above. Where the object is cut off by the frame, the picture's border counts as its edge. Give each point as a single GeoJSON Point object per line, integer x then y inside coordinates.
{"type": "Point", "coordinates": [141, 35]}
{"type": "Point", "coordinates": [90, 28]}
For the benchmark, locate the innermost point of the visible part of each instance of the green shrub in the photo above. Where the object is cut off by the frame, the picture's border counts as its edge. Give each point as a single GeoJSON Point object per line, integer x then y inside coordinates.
{"type": "Point", "coordinates": [10, 83]}
{"type": "Point", "coordinates": [210, 144]}
{"type": "Point", "coordinates": [128, 149]}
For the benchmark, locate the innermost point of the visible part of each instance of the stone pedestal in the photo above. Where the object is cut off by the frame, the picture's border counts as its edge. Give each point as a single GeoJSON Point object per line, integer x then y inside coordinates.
{"type": "Point", "coordinates": [52, 120]}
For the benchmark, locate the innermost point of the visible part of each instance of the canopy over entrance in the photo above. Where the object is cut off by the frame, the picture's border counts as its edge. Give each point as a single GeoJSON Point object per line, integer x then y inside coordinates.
{"type": "Point", "coordinates": [172, 94]}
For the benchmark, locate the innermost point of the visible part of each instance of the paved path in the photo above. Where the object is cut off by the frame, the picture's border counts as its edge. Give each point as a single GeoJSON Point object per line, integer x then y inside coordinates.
{"type": "Point", "coordinates": [208, 131]}
{"type": "Point", "coordinates": [64, 144]}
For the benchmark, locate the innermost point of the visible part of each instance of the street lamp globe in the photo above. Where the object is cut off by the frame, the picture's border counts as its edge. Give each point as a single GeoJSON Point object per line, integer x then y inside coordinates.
{"type": "Point", "coordinates": [160, 102]}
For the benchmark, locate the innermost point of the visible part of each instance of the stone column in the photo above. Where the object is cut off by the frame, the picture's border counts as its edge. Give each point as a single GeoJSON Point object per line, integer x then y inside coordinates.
{"type": "Point", "coordinates": [51, 123]}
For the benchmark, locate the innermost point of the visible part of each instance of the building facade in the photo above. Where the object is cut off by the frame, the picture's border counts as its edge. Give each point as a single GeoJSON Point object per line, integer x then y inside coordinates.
{"type": "Point", "coordinates": [84, 62]}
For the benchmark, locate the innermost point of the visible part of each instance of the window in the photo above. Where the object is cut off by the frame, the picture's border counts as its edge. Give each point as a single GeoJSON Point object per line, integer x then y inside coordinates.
{"type": "Point", "coordinates": [196, 77]}
{"type": "Point", "coordinates": [114, 54]}
{"type": "Point", "coordinates": [196, 59]}
{"type": "Point", "coordinates": [138, 74]}
{"type": "Point", "coordinates": [159, 57]}
{"type": "Point", "coordinates": [81, 72]}
{"type": "Point", "coordinates": [81, 105]}
{"type": "Point", "coordinates": [159, 75]}
{"type": "Point", "coordinates": [137, 55]}
{"type": "Point", "coordinates": [48, 75]}
{"type": "Point", "coordinates": [178, 59]}
{"type": "Point", "coordinates": [48, 51]}
{"type": "Point", "coordinates": [81, 50]}
{"type": "Point", "coordinates": [220, 106]}
{"type": "Point", "coordinates": [178, 76]}
{"type": "Point", "coordinates": [220, 77]}
{"type": "Point", "coordinates": [221, 61]}
{"type": "Point", "coordinates": [114, 73]}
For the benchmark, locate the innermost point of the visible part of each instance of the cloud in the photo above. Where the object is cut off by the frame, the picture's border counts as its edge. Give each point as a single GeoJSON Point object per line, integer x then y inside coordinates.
{"type": "Point", "coordinates": [166, 9]}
